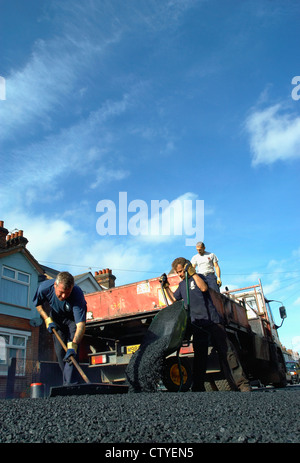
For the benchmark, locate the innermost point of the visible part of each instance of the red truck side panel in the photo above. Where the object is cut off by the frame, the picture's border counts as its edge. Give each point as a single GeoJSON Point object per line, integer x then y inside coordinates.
{"type": "Point", "coordinates": [147, 296]}
{"type": "Point", "coordinates": [127, 300]}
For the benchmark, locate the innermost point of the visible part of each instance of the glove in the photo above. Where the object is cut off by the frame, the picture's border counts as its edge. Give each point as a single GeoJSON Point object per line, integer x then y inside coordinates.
{"type": "Point", "coordinates": [71, 352]}
{"type": "Point", "coordinates": [50, 325]}
{"type": "Point", "coordinates": [164, 280]}
{"type": "Point", "coordinates": [189, 269]}
{"type": "Point", "coordinates": [219, 282]}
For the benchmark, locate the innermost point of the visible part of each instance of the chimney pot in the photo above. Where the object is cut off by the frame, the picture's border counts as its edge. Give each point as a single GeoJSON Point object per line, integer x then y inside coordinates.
{"type": "Point", "coordinates": [3, 235]}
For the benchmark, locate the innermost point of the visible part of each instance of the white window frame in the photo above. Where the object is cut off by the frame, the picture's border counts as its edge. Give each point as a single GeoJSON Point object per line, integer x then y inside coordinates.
{"type": "Point", "coordinates": [17, 281]}
{"type": "Point", "coordinates": [21, 364]}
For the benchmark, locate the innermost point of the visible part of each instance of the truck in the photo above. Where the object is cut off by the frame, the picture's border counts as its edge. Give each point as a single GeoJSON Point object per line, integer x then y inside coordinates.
{"type": "Point", "coordinates": [119, 317]}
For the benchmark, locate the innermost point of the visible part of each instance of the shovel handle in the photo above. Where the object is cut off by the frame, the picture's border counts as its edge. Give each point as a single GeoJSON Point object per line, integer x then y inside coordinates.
{"type": "Point", "coordinates": [75, 363]}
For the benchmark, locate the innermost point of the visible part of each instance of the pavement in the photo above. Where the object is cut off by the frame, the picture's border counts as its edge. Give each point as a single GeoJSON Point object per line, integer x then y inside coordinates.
{"type": "Point", "coordinates": [261, 416]}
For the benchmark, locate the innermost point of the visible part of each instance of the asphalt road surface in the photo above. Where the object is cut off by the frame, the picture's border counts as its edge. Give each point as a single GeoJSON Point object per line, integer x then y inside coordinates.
{"type": "Point", "coordinates": [261, 416]}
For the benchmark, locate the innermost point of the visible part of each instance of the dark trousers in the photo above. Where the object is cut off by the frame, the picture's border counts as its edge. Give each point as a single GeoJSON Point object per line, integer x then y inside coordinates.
{"type": "Point", "coordinates": [66, 332]}
{"type": "Point", "coordinates": [214, 335]}
{"type": "Point", "coordinates": [211, 280]}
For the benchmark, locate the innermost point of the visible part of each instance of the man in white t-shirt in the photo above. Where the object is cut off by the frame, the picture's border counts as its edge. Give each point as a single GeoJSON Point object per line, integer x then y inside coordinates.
{"type": "Point", "coordinates": [207, 265]}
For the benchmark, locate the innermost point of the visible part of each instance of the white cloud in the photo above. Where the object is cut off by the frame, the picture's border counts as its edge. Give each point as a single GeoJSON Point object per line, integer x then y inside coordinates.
{"type": "Point", "coordinates": [297, 301]}
{"type": "Point", "coordinates": [274, 135]}
{"type": "Point", "coordinates": [272, 286]}
{"type": "Point", "coordinates": [54, 73]}
{"type": "Point", "coordinates": [56, 243]}
{"type": "Point", "coordinates": [76, 149]}
{"type": "Point", "coordinates": [46, 237]}
{"type": "Point", "coordinates": [296, 344]}
{"type": "Point", "coordinates": [163, 221]}
{"type": "Point", "coordinates": [105, 175]}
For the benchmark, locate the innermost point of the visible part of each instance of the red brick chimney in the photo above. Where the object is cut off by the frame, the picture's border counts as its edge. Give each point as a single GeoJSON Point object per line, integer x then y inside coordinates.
{"type": "Point", "coordinates": [105, 278]}
{"type": "Point", "coordinates": [12, 240]}
{"type": "Point", "coordinates": [3, 234]}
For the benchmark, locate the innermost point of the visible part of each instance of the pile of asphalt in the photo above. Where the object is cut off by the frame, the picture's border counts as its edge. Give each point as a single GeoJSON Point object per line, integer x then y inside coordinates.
{"type": "Point", "coordinates": [146, 365]}
{"type": "Point", "coordinates": [161, 417]}
{"type": "Point", "coordinates": [145, 368]}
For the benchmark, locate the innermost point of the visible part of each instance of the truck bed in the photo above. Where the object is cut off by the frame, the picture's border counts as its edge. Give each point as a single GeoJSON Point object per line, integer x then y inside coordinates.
{"type": "Point", "coordinates": [145, 297]}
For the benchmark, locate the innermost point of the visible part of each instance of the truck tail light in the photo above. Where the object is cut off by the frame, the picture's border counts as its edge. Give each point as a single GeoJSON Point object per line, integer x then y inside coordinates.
{"type": "Point", "coordinates": [98, 359]}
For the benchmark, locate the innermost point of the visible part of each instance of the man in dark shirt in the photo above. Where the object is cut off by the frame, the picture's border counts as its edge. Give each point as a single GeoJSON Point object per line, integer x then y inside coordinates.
{"type": "Point", "coordinates": [206, 326]}
{"type": "Point", "coordinates": [67, 316]}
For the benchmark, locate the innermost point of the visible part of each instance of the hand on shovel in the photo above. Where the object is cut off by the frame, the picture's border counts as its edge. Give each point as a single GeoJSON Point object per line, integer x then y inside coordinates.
{"type": "Point", "coordinates": [189, 269]}
{"type": "Point", "coordinates": [71, 352]}
{"type": "Point", "coordinates": [50, 325]}
{"type": "Point", "coordinates": [163, 279]}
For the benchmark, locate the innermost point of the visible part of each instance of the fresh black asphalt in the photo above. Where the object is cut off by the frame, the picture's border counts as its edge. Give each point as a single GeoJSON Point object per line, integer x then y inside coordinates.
{"type": "Point", "coordinates": [260, 416]}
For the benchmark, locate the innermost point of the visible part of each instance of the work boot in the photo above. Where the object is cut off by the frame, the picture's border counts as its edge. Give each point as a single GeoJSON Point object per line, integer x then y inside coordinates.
{"type": "Point", "coordinates": [245, 387]}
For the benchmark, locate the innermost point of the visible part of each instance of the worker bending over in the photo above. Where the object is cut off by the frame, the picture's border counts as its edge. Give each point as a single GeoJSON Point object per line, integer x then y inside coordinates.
{"type": "Point", "coordinates": [67, 316]}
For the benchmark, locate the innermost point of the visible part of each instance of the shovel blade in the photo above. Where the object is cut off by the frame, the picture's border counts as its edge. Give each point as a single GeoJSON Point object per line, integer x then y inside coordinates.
{"type": "Point", "coordinates": [88, 389]}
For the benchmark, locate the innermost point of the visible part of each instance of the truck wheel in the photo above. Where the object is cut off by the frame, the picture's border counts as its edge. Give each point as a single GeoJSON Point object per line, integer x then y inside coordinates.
{"type": "Point", "coordinates": [171, 375]}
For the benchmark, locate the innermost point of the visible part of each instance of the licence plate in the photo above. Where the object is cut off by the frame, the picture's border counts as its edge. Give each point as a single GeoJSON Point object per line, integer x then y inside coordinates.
{"type": "Point", "coordinates": [132, 349]}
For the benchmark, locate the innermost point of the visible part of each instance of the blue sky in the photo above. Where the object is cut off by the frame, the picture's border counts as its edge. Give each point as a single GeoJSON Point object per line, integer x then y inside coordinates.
{"type": "Point", "coordinates": [162, 100]}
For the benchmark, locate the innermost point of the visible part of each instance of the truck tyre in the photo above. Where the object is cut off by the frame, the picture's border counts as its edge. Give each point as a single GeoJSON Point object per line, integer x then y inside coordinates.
{"type": "Point", "coordinates": [235, 370]}
{"type": "Point", "coordinates": [171, 375]}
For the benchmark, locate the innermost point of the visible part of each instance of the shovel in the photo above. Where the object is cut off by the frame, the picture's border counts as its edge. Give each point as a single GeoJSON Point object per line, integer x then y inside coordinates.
{"type": "Point", "coordinates": [75, 363]}
{"type": "Point", "coordinates": [81, 389]}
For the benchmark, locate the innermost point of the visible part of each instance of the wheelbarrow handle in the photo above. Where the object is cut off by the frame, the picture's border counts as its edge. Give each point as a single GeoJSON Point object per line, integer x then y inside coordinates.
{"type": "Point", "coordinates": [187, 292]}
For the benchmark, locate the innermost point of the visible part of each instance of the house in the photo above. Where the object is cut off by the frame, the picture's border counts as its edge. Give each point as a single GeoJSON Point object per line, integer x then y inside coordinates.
{"type": "Point", "coordinates": [24, 341]}
{"type": "Point", "coordinates": [20, 274]}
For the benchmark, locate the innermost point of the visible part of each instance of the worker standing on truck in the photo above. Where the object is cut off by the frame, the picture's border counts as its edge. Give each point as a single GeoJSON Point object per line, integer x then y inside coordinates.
{"type": "Point", "coordinates": [67, 316]}
{"type": "Point", "coordinates": [206, 326]}
{"type": "Point", "coordinates": [207, 264]}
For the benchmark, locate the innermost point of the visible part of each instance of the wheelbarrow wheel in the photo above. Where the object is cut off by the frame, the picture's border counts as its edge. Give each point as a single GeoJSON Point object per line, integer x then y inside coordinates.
{"type": "Point", "coordinates": [171, 374]}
